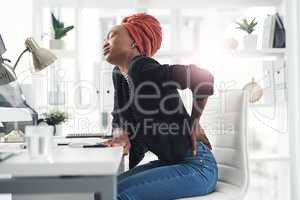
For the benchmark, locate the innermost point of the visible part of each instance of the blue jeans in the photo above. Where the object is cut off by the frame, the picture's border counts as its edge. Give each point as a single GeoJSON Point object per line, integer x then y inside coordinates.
{"type": "Point", "coordinates": [195, 176]}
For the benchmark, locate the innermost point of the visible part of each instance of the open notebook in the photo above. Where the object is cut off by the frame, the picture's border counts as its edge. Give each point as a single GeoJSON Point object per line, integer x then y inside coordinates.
{"type": "Point", "coordinates": [88, 135]}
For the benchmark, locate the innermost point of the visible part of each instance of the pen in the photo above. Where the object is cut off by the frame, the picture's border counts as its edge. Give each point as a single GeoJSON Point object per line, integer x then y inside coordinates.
{"type": "Point", "coordinates": [94, 146]}
{"type": "Point", "coordinates": [63, 144]}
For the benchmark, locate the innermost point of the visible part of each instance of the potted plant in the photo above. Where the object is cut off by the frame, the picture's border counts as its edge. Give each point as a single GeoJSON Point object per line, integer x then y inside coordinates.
{"type": "Point", "coordinates": [250, 40]}
{"type": "Point", "coordinates": [55, 118]}
{"type": "Point", "coordinates": [59, 32]}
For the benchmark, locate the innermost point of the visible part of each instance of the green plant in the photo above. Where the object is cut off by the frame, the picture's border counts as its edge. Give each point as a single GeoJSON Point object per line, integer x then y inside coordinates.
{"type": "Point", "coordinates": [55, 117]}
{"type": "Point", "coordinates": [244, 25]}
{"type": "Point", "coordinates": [59, 28]}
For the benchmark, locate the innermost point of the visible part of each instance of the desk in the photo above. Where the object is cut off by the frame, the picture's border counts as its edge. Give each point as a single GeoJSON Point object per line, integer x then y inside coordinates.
{"type": "Point", "coordinates": [70, 170]}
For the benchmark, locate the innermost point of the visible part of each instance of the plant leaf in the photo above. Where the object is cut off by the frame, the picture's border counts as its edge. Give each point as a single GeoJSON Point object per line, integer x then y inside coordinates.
{"type": "Point", "coordinates": [61, 24]}
{"type": "Point", "coordinates": [68, 28]}
{"type": "Point", "coordinates": [245, 22]}
{"type": "Point", "coordinates": [55, 22]}
{"type": "Point", "coordinates": [55, 117]}
{"type": "Point", "coordinates": [246, 26]}
{"type": "Point", "coordinates": [238, 23]}
{"type": "Point", "coordinates": [59, 34]}
{"type": "Point", "coordinates": [59, 27]}
{"type": "Point", "coordinates": [62, 32]}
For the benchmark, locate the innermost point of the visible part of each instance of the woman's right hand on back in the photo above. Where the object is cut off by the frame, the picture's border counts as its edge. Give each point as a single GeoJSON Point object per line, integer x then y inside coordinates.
{"type": "Point", "coordinates": [120, 140]}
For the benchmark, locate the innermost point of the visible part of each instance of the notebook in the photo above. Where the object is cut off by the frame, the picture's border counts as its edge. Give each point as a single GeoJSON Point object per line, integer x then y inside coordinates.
{"type": "Point", "coordinates": [88, 135]}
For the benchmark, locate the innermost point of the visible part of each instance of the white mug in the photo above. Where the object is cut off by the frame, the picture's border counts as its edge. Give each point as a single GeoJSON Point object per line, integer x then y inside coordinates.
{"type": "Point", "coordinates": [39, 141]}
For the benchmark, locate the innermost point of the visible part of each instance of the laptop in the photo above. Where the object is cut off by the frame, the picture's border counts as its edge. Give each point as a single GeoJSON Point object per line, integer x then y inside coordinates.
{"type": "Point", "coordinates": [5, 155]}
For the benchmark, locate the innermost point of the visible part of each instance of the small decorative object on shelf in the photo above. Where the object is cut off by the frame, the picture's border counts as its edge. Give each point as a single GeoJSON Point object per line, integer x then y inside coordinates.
{"type": "Point", "coordinates": [59, 32]}
{"type": "Point", "coordinates": [250, 40]}
{"type": "Point", "coordinates": [254, 91]}
{"type": "Point", "coordinates": [230, 43]}
{"type": "Point", "coordinates": [55, 118]}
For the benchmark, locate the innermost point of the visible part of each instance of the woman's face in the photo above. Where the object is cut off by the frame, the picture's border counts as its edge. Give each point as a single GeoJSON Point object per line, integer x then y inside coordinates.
{"type": "Point", "coordinates": [117, 45]}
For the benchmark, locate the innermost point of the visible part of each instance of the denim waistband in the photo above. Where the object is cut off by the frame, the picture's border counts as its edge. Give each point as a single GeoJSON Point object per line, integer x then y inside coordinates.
{"type": "Point", "coordinates": [203, 153]}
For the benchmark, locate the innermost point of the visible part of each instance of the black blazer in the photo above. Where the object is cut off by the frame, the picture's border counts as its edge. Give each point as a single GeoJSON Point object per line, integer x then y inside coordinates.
{"type": "Point", "coordinates": [148, 106]}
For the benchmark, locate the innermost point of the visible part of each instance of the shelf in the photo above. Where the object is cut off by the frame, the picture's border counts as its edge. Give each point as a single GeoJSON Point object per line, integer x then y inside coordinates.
{"type": "Point", "coordinates": [277, 52]}
{"type": "Point", "coordinates": [256, 52]}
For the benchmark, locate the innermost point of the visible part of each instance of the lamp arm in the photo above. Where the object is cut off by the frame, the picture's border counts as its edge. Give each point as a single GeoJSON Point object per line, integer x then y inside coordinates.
{"type": "Point", "coordinates": [34, 115]}
{"type": "Point", "coordinates": [20, 56]}
{"type": "Point", "coordinates": [5, 59]}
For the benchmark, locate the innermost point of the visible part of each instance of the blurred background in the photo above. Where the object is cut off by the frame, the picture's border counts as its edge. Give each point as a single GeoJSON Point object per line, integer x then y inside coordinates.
{"type": "Point", "coordinates": [205, 34]}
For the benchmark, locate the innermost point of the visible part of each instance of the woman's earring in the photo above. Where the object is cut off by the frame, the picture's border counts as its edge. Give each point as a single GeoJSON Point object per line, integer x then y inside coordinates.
{"type": "Point", "coordinates": [133, 45]}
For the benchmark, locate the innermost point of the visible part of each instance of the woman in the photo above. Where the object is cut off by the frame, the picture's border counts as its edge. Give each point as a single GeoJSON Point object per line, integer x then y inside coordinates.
{"type": "Point", "coordinates": [150, 116]}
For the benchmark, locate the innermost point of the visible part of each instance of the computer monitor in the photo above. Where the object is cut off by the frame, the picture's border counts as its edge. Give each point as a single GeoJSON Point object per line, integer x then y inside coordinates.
{"type": "Point", "coordinates": [6, 72]}
{"type": "Point", "coordinates": [13, 107]}
{"type": "Point", "coordinates": [2, 46]}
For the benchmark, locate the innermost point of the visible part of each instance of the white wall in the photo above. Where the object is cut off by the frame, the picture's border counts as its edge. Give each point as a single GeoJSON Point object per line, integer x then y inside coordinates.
{"type": "Point", "coordinates": [15, 27]}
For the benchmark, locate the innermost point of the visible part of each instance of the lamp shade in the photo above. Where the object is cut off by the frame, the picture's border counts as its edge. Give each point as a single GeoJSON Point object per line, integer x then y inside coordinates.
{"type": "Point", "coordinates": [41, 57]}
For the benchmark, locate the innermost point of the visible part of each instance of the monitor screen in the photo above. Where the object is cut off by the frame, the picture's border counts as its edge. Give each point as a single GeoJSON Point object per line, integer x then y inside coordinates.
{"type": "Point", "coordinates": [11, 96]}
{"type": "Point", "coordinates": [2, 46]}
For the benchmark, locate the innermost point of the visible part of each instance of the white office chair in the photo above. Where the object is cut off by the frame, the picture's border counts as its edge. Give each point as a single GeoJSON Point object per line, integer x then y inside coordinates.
{"type": "Point", "coordinates": [225, 122]}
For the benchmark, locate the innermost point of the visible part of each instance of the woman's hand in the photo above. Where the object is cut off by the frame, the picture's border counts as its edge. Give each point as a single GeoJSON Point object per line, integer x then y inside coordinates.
{"type": "Point", "coordinates": [198, 134]}
{"type": "Point", "coordinates": [121, 140]}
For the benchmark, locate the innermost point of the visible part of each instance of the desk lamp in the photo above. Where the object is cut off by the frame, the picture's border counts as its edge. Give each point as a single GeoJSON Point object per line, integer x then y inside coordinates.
{"type": "Point", "coordinates": [41, 59]}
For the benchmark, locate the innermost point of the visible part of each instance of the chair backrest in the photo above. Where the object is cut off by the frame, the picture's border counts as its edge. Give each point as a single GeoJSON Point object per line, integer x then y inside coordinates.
{"type": "Point", "coordinates": [224, 120]}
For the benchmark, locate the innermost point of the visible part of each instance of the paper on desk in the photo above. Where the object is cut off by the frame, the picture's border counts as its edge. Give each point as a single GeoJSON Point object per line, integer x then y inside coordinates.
{"type": "Point", "coordinates": [12, 147]}
{"type": "Point", "coordinates": [63, 140]}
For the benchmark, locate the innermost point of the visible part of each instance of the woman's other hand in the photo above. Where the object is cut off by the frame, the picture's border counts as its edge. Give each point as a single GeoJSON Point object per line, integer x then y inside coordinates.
{"type": "Point", "coordinates": [120, 140]}
{"type": "Point", "coordinates": [198, 134]}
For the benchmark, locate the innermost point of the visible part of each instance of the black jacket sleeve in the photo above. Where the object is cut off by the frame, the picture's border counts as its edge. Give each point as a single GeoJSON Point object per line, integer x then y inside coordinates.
{"type": "Point", "coordinates": [137, 150]}
{"type": "Point", "coordinates": [198, 80]}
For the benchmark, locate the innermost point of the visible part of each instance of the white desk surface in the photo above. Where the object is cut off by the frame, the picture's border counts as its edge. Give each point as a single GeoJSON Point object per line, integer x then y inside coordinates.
{"type": "Point", "coordinates": [65, 161]}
